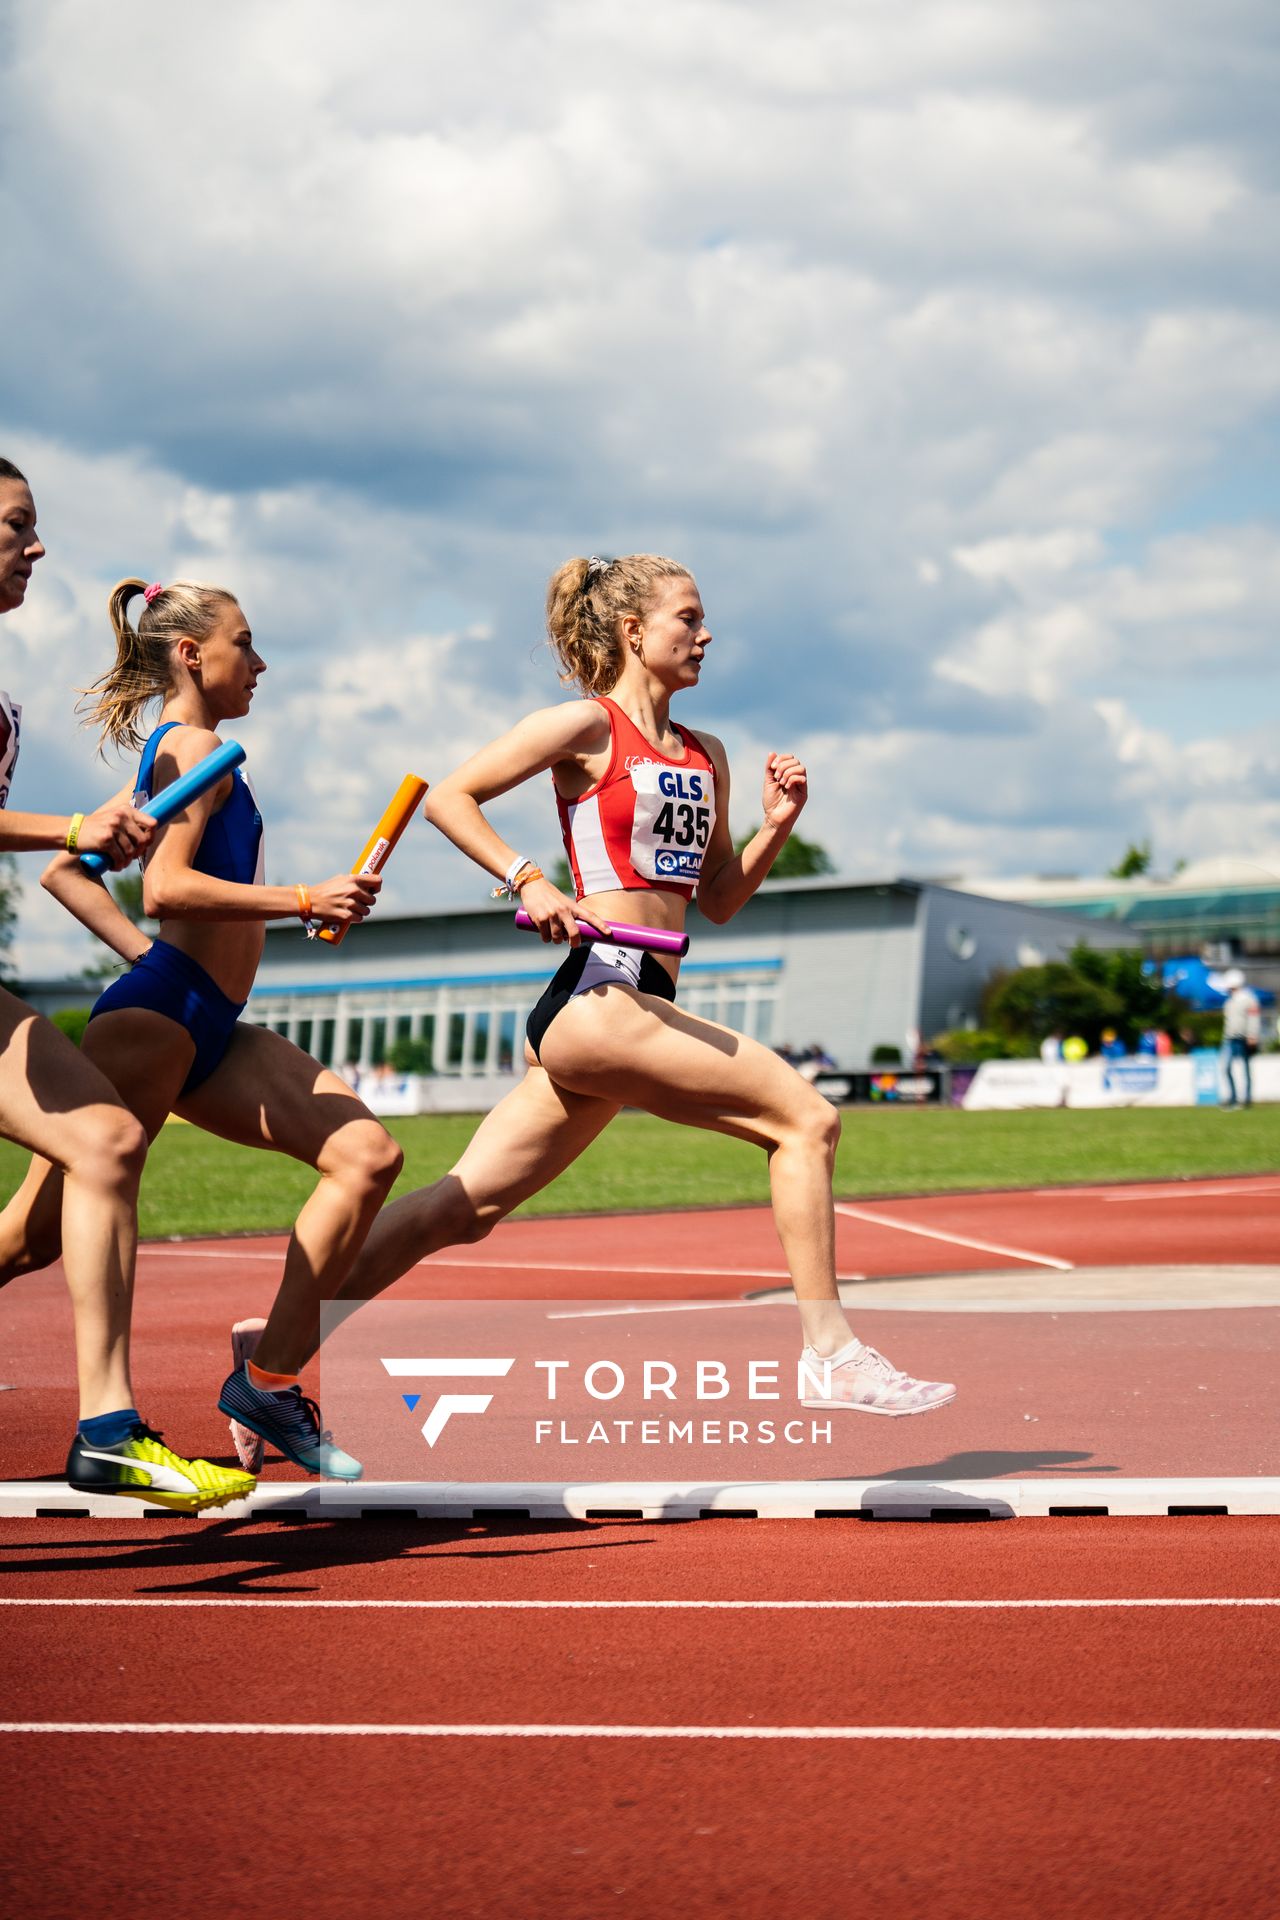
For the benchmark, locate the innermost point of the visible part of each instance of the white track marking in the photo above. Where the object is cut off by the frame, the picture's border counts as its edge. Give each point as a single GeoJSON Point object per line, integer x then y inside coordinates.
{"type": "Point", "coordinates": [1164, 1190]}
{"type": "Point", "coordinates": [1190, 1193]}
{"type": "Point", "coordinates": [680, 1306]}
{"type": "Point", "coordinates": [509, 1266]}
{"type": "Point", "coordinates": [228, 1602]}
{"type": "Point", "coordinates": [603, 1266]}
{"type": "Point", "coordinates": [549, 1730]}
{"type": "Point", "coordinates": [953, 1239]}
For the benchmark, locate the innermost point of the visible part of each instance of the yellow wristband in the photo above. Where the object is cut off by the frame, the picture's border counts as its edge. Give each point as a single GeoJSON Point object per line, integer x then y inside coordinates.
{"type": "Point", "coordinates": [73, 832]}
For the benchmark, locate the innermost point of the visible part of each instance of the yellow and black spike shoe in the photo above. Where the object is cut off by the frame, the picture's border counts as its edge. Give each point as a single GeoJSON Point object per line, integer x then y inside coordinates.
{"type": "Point", "coordinates": [143, 1468]}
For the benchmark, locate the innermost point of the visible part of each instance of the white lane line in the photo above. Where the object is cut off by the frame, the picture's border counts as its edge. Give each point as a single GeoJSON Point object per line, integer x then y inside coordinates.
{"type": "Point", "coordinates": [1165, 1190]}
{"type": "Point", "coordinates": [510, 1266]}
{"type": "Point", "coordinates": [1190, 1193]}
{"type": "Point", "coordinates": [666, 1306]}
{"type": "Point", "coordinates": [231, 1601]}
{"type": "Point", "coordinates": [550, 1730]}
{"type": "Point", "coordinates": [954, 1239]}
{"type": "Point", "coordinates": [679, 1306]}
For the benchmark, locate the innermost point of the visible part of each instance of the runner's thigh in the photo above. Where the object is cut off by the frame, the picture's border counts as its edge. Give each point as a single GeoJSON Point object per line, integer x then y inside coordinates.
{"type": "Point", "coordinates": [49, 1090]}
{"type": "Point", "coordinates": [648, 1053]}
{"type": "Point", "coordinates": [529, 1138]}
{"type": "Point", "coordinates": [265, 1092]}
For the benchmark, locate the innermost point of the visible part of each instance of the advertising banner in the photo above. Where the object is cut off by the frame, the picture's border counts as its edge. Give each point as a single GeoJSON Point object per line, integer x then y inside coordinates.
{"type": "Point", "coordinates": [1206, 1076]}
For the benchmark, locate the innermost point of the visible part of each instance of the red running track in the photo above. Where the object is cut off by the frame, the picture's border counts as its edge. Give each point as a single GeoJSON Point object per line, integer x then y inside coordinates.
{"type": "Point", "coordinates": [1141, 1394]}
{"type": "Point", "coordinates": [576, 1827]}
{"type": "Point", "coordinates": [582, 1826]}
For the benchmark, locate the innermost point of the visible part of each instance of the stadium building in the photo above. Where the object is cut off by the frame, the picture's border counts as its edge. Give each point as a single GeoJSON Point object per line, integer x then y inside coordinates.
{"type": "Point", "coordinates": [1224, 911]}
{"type": "Point", "coordinates": [850, 965]}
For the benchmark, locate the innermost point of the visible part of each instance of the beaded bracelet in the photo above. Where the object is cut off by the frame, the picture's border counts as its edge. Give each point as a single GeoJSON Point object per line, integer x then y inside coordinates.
{"type": "Point", "coordinates": [521, 871]}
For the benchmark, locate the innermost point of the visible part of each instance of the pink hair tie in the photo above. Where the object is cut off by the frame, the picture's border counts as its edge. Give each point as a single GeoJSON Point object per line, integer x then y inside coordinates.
{"type": "Point", "coordinates": [149, 593]}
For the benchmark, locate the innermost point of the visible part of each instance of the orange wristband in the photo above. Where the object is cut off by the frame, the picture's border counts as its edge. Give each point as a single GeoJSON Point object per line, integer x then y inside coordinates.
{"type": "Point", "coordinates": [525, 875]}
{"type": "Point", "coordinates": [304, 902]}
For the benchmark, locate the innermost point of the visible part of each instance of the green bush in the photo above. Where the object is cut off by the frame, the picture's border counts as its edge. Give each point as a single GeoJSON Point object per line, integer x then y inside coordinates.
{"type": "Point", "coordinates": [72, 1021]}
{"type": "Point", "coordinates": [886, 1056]}
{"type": "Point", "coordinates": [970, 1046]}
{"type": "Point", "coordinates": [1199, 1030]}
{"type": "Point", "coordinates": [1094, 989]}
{"type": "Point", "coordinates": [410, 1056]}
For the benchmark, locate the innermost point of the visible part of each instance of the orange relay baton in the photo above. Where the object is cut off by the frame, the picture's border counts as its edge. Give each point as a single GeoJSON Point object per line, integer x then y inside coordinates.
{"type": "Point", "coordinates": [377, 849]}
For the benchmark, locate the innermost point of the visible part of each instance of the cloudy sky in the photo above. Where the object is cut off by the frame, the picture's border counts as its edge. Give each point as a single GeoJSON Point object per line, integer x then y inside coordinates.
{"type": "Point", "coordinates": [939, 337]}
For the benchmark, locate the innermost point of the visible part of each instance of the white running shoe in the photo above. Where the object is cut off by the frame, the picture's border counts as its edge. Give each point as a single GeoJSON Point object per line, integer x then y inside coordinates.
{"type": "Point", "coordinates": [249, 1446]}
{"type": "Point", "coordinates": [863, 1381]}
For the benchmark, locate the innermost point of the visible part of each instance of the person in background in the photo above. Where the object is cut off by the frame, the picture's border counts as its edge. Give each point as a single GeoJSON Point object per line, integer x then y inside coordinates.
{"type": "Point", "coordinates": [1241, 1032]}
{"type": "Point", "coordinates": [1051, 1048]}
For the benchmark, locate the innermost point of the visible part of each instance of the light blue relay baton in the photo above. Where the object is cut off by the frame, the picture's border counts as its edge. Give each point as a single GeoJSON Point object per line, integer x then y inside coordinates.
{"type": "Point", "coordinates": [188, 786]}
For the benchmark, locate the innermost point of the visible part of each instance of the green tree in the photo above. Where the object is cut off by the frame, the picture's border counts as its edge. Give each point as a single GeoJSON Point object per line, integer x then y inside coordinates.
{"type": "Point", "coordinates": [126, 891]}
{"type": "Point", "coordinates": [1093, 989]}
{"type": "Point", "coordinates": [1053, 998]}
{"type": "Point", "coordinates": [1133, 861]}
{"type": "Point", "coordinates": [800, 859]}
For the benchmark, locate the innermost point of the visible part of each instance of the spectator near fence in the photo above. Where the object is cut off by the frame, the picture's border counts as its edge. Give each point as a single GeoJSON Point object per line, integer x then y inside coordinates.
{"type": "Point", "coordinates": [1241, 1032]}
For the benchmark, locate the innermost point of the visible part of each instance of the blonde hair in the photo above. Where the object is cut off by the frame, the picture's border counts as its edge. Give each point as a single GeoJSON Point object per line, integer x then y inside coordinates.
{"type": "Point", "coordinates": [586, 602]}
{"type": "Point", "coordinates": [144, 654]}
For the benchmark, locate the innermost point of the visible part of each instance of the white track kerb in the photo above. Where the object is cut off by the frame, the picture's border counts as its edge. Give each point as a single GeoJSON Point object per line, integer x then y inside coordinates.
{"type": "Point", "coordinates": [673, 1500]}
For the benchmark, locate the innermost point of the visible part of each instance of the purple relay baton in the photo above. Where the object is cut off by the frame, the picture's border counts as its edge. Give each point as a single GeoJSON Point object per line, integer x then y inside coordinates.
{"type": "Point", "coordinates": [653, 939]}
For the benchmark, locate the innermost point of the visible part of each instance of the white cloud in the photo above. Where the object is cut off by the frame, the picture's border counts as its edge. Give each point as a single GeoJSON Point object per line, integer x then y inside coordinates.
{"type": "Point", "coordinates": [911, 329]}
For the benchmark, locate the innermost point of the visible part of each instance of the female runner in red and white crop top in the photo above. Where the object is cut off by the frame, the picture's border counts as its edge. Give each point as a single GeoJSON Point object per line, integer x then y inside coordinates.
{"type": "Point", "coordinates": [644, 806]}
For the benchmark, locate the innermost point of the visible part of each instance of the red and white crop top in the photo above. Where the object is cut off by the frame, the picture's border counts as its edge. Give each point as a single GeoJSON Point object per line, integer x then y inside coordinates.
{"type": "Point", "coordinates": [646, 822]}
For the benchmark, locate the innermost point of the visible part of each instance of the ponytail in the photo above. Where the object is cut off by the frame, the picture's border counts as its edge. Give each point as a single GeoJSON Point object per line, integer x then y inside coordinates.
{"type": "Point", "coordinates": [143, 669]}
{"type": "Point", "coordinates": [586, 603]}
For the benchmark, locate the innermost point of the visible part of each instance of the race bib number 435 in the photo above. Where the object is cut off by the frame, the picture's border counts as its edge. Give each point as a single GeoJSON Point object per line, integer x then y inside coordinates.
{"type": "Point", "coordinates": [674, 813]}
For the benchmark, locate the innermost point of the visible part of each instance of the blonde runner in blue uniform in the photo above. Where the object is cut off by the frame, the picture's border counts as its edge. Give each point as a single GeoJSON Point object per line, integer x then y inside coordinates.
{"type": "Point", "coordinates": [56, 1103]}
{"type": "Point", "coordinates": [168, 1036]}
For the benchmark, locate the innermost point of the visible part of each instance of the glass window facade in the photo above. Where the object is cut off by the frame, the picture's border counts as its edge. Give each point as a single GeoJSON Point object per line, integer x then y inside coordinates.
{"type": "Point", "coordinates": [475, 1028]}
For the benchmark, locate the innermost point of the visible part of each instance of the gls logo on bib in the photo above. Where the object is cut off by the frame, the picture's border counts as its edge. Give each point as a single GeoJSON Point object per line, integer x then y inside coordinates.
{"type": "Point", "coordinates": [674, 814]}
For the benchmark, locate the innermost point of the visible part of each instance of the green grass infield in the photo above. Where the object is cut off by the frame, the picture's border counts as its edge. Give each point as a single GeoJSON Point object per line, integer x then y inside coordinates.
{"type": "Point", "coordinates": [195, 1184]}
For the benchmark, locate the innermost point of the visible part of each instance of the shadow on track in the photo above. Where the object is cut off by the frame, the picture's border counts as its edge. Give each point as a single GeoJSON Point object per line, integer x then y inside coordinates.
{"type": "Point", "coordinates": [994, 1465]}
{"type": "Point", "coordinates": [234, 1556]}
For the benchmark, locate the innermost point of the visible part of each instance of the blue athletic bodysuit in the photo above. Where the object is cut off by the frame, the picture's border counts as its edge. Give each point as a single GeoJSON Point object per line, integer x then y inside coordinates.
{"type": "Point", "coordinates": [166, 980]}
